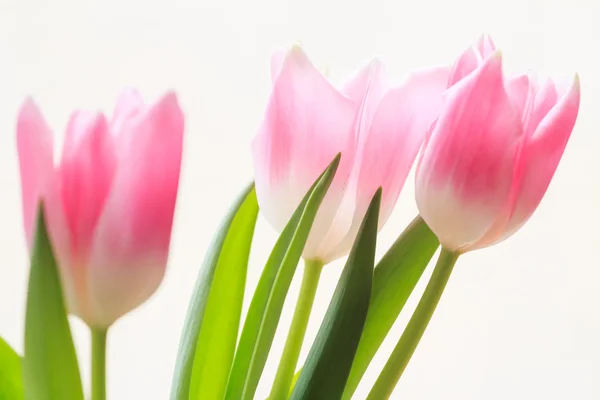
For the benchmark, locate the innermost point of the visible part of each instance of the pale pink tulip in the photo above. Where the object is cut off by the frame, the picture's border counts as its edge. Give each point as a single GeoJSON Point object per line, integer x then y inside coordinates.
{"type": "Point", "coordinates": [377, 127]}
{"type": "Point", "coordinates": [109, 201]}
{"type": "Point", "coordinates": [491, 154]}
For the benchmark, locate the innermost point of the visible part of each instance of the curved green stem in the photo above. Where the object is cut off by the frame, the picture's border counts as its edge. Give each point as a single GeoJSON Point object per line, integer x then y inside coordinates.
{"type": "Point", "coordinates": [99, 363]}
{"type": "Point", "coordinates": [293, 344]}
{"type": "Point", "coordinates": [391, 373]}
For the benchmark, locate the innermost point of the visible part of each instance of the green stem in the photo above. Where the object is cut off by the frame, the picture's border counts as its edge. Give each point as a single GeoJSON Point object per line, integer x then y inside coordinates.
{"type": "Point", "coordinates": [391, 373]}
{"type": "Point", "coordinates": [293, 344]}
{"type": "Point", "coordinates": [99, 363]}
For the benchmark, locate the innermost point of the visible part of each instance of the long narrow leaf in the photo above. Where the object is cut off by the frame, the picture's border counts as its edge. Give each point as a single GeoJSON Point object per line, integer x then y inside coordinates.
{"type": "Point", "coordinates": [267, 303]}
{"type": "Point", "coordinates": [395, 277]}
{"type": "Point", "coordinates": [11, 377]}
{"type": "Point", "coordinates": [330, 358]}
{"type": "Point", "coordinates": [240, 218]}
{"type": "Point", "coordinates": [50, 368]}
{"type": "Point", "coordinates": [218, 334]}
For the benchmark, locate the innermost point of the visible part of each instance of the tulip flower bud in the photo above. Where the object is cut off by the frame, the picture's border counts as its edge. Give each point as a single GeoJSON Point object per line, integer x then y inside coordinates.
{"type": "Point", "coordinates": [377, 127]}
{"type": "Point", "coordinates": [109, 201]}
{"type": "Point", "coordinates": [493, 151]}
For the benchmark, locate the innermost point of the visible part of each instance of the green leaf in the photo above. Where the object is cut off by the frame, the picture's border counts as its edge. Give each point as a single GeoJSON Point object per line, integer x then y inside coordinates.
{"type": "Point", "coordinates": [330, 358]}
{"type": "Point", "coordinates": [296, 376]}
{"type": "Point", "coordinates": [394, 279]}
{"type": "Point", "coordinates": [220, 326]}
{"type": "Point", "coordinates": [11, 378]}
{"type": "Point", "coordinates": [267, 303]}
{"type": "Point", "coordinates": [218, 292]}
{"type": "Point", "coordinates": [50, 368]}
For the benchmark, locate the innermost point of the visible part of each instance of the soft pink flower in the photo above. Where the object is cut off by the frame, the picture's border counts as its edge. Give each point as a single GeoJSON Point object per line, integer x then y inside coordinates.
{"type": "Point", "coordinates": [377, 128]}
{"type": "Point", "coordinates": [109, 201]}
{"type": "Point", "coordinates": [491, 154]}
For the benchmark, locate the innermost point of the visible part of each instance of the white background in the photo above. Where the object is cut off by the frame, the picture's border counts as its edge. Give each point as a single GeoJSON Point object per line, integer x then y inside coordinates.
{"type": "Point", "coordinates": [520, 320]}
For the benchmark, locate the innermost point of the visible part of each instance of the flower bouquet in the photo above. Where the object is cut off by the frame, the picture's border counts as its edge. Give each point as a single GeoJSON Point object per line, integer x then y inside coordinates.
{"type": "Point", "coordinates": [329, 165]}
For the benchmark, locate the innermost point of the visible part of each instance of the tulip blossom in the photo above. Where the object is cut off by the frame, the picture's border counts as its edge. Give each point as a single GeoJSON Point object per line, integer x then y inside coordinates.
{"type": "Point", "coordinates": [109, 201]}
{"type": "Point", "coordinates": [492, 152]}
{"type": "Point", "coordinates": [378, 128]}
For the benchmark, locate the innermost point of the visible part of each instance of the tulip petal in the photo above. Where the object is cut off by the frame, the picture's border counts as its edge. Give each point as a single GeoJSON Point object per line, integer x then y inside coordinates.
{"type": "Point", "coordinates": [39, 181]}
{"type": "Point", "coordinates": [35, 148]}
{"type": "Point", "coordinates": [307, 123]}
{"type": "Point", "coordinates": [465, 174]}
{"type": "Point", "coordinates": [545, 100]}
{"type": "Point", "coordinates": [276, 62]}
{"type": "Point", "coordinates": [469, 60]}
{"type": "Point", "coordinates": [129, 104]}
{"type": "Point", "coordinates": [398, 131]}
{"type": "Point", "coordinates": [543, 153]}
{"type": "Point", "coordinates": [394, 137]}
{"type": "Point", "coordinates": [85, 178]}
{"type": "Point", "coordinates": [130, 250]}
{"type": "Point", "coordinates": [83, 182]}
{"type": "Point", "coordinates": [486, 46]}
{"type": "Point", "coordinates": [521, 91]}
{"type": "Point", "coordinates": [366, 88]}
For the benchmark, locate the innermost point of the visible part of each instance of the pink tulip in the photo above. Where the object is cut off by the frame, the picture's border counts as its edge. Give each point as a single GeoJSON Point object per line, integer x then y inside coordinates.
{"type": "Point", "coordinates": [109, 202]}
{"type": "Point", "coordinates": [491, 154]}
{"type": "Point", "coordinates": [377, 128]}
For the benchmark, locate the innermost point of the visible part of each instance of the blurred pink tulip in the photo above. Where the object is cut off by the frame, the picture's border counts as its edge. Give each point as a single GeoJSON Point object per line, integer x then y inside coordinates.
{"type": "Point", "coordinates": [109, 202]}
{"type": "Point", "coordinates": [377, 127]}
{"type": "Point", "coordinates": [491, 154]}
